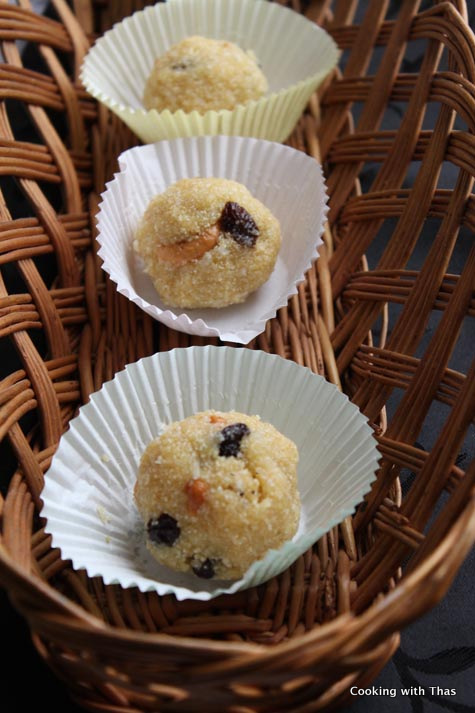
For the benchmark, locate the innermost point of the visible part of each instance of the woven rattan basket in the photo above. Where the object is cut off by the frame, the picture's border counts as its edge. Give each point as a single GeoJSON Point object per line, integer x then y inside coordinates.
{"type": "Point", "coordinates": [331, 621]}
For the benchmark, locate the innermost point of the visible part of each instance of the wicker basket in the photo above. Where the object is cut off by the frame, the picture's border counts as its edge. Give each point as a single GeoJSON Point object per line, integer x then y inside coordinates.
{"type": "Point", "coordinates": [330, 622]}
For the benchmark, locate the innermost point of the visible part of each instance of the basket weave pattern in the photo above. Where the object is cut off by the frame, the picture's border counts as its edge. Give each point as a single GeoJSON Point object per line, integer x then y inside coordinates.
{"type": "Point", "coordinates": [330, 622]}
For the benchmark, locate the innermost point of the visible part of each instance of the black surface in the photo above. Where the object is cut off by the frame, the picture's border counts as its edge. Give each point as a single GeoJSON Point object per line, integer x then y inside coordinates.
{"type": "Point", "coordinates": [438, 650]}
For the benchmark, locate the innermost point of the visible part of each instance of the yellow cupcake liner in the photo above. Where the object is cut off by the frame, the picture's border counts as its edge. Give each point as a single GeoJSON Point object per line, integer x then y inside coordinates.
{"type": "Point", "coordinates": [295, 55]}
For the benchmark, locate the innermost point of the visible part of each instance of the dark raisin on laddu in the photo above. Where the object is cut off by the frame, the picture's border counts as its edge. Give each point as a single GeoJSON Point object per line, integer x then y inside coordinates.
{"type": "Point", "coordinates": [240, 225]}
{"type": "Point", "coordinates": [163, 530]}
{"type": "Point", "coordinates": [205, 569]}
{"type": "Point", "coordinates": [231, 438]}
{"type": "Point", "coordinates": [182, 65]}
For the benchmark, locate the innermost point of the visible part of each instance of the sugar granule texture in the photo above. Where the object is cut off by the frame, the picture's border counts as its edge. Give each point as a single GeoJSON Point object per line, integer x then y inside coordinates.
{"type": "Point", "coordinates": [194, 256]}
{"type": "Point", "coordinates": [203, 74]}
{"type": "Point", "coordinates": [216, 491]}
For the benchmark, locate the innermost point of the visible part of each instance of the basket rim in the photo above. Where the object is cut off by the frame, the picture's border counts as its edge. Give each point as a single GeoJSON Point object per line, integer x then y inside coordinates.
{"type": "Point", "coordinates": [436, 567]}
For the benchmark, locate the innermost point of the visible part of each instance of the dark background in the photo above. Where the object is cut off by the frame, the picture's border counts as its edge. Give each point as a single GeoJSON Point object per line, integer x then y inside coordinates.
{"type": "Point", "coordinates": [437, 650]}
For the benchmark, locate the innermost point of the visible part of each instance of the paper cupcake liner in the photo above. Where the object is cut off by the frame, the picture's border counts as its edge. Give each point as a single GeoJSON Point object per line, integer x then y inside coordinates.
{"type": "Point", "coordinates": [295, 55]}
{"type": "Point", "coordinates": [88, 493]}
{"type": "Point", "coordinates": [288, 182]}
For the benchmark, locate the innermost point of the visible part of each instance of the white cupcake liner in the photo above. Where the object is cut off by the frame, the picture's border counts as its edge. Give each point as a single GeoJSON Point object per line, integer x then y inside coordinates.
{"type": "Point", "coordinates": [288, 182]}
{"type": "Point", "coordinates": [88, 493]}
{"type": "Point", "coordinates": [295, 55]}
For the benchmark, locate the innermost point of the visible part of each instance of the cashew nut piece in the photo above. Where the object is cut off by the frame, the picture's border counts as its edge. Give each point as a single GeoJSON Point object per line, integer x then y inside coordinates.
{"type": "Point", "coordinates": [179, 254]}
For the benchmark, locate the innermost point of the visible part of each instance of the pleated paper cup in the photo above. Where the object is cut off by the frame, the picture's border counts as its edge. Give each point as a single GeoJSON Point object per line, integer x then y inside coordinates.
{"type": "Point", "coordinates": [88, 493]}
{"type": "Point", "coordinates": [295, 55]}
{"type": "Point", "coordinates": [288, 182]}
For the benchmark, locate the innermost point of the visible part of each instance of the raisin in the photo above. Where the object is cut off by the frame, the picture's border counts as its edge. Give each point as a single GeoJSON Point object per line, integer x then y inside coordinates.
{"type": "Point", "coordinates": [231, 438]}
{"type": "Point", "coordinates": [205, 569]}
{"type": "Point", "coordinates": [236, 221]}
{"type": "Point", "coordinates": [163, 530]}
{"type": "Point", "coordinates": [182, 65]}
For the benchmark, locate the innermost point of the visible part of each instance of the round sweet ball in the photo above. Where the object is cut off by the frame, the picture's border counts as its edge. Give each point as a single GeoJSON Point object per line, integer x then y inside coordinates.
{"type": "Point", "coordinates": [207, 242]}
{"type": "Point", "coordinates": [216, 491]}
{"type": "Point", "coordinates": [202, 74]}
